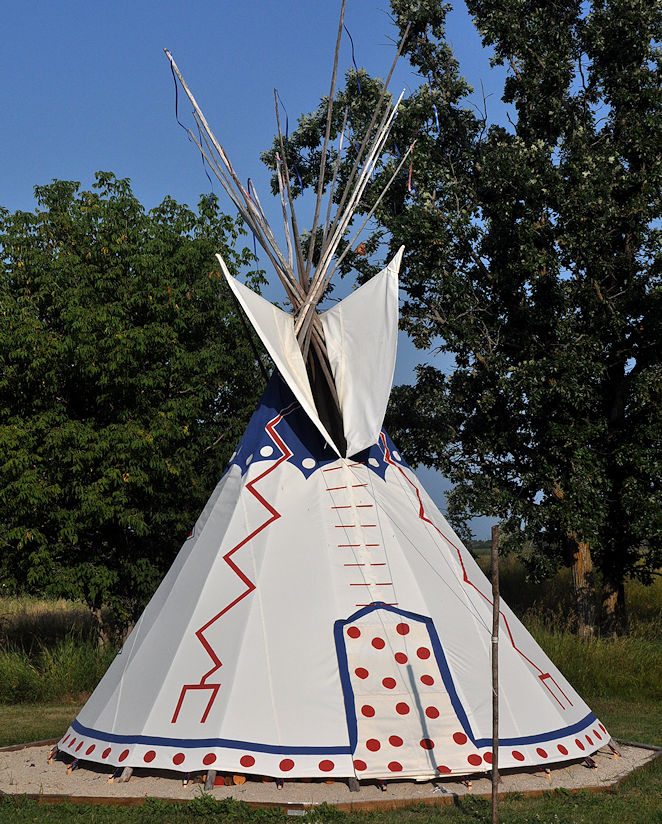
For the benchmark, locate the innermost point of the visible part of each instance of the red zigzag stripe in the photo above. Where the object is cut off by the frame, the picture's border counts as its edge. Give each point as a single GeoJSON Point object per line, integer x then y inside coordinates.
{"type": "Point", "coordinates": [274, 515]}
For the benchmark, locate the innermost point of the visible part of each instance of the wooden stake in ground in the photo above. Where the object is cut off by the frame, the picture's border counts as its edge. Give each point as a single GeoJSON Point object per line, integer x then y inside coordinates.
{"type": "Point", "coordinates": [495, 673]}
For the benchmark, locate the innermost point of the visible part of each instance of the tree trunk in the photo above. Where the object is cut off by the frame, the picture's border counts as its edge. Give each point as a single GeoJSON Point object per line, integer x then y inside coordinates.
{"type": "Point", "coordinates": [584, 586]}
{"type": "Point", "coordinates": [103, 632]}
{"type": "Point", "coordinates": [614, 619]}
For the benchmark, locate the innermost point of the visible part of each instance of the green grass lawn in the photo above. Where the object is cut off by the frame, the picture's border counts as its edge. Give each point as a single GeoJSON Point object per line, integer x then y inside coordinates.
{"type": "Point", "coordinates": [21, 723]}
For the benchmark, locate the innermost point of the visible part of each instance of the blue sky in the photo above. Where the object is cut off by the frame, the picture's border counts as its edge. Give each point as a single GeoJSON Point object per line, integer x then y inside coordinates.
{"type": "Point", "coordinates": [86, 86]}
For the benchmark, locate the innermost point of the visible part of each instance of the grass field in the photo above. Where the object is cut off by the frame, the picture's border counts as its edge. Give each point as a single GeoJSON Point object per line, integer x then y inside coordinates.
{"type": "Point", "coordinates": [48, 665]}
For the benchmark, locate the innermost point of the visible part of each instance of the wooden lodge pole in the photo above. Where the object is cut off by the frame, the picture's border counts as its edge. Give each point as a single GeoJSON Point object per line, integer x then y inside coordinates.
{"type": "Point", "coordinates": [495, 673]}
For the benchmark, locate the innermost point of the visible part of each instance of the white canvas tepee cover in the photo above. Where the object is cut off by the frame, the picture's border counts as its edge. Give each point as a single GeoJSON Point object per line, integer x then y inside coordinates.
{"type": "Point", "coordinates": [323, 619]}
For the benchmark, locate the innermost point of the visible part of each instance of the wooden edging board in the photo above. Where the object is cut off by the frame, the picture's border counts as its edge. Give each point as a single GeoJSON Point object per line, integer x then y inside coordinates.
{"type": "Point", "coordinates": [296, 807]}
{"type": "Point", "coordinates": [17, 747]}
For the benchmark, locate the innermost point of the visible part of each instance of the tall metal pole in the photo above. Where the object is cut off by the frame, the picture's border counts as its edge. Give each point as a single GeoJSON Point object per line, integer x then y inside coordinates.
{"type": "Point", "coordinates": [495, 673]}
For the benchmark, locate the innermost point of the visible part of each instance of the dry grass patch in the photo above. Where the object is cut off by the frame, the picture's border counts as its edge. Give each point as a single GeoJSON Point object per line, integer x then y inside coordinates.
{"type": "Point", "coordinates": [26, 621]}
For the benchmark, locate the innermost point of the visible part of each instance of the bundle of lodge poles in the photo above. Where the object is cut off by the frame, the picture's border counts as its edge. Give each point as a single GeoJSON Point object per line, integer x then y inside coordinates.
{"type": "Point", "coordinates": [304, 286]}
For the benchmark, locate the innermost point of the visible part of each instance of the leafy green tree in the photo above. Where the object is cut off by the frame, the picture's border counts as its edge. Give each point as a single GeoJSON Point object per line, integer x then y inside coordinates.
{"type": "Point", "coordinates": [125, 381]}
{"type": "Point", "coordinates": [533, 258]}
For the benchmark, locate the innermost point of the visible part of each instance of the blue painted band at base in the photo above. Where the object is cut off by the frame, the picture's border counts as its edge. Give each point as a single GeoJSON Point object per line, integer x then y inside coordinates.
{"type": "Point", "coordinates": [197, 743]}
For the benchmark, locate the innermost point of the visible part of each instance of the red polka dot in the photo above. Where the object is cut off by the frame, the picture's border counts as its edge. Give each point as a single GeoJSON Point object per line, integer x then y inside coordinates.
{"type": "Point", "coordinates": [474, 759]}
{"type": "Point", "coordinates": [579, 744]}
{"type": "Point", "coordinates": [427, 744]}
{"type": "Point", "coordinates": [326, 765]}
{"type": "Point", "coordinates": [442, 768]}
{"type": "Point", "coordinates": [286, 764]}
{"type": "Point", "coordinates": [395, 766]}
{"type": "Point", "coordinates": [378, 643]}
{"type": "Point", "coordinates": [590, 742]}
{"type": "Point", "coordinates": [542, 753]}
{"type": "Point", "coordinates": [150, 755]}
{"type": "Point", "coordinates": [209, 759]}
{"type": "Point", "coordinates": [517, 755]}
{"type": "Point", "coordinates": [487, 757]}
{"type": "Point", "coordinates": [247, 761]}
{"type": "Point", "coordinates": [72, 742]}
{"type": "Point", "coordinates": [178, 758]}
{"type": "Point", "coordinates": [372, 744]}
{"type": "Point", "coordinates": [361, 672]}
{"type": "Point", "coordinates": [79, 746]}
{"type": "Point", "coordinates": [401, 658]}
{"type": "Point", "coordinates": [459, 738]}
{"type": "Point", "coordinates": [423, 652]}
{"type": "Point", "coordinates": [367, 710]}
{"type": "Point", "coordinates": [432, 712]}
{"type": "Point", "coordinates": [402, 708]}
{"type": "Point", "coordinates": [354, 632]}
{"type": "Point", "coordinates": [395, 740]}
{"type": "Point", "coordinates": [389, 683]}
{"type": "Point", "coordinates": [360, 765]}
{"type": "Point", "coordinates": [602, 728]}
{"type": "Point", "coordinates": [597, 735]}
{"type": "Point", "coordinates": [563, 750]}
{"type": "Point", "coordinates": [105, 753]}
{"type": "Point", "coordinates": [428, 680]}
{"type": "Point", "coordinates": [123, 755]}
{"type": "Point", "coordinates": [90, 749]}
{"type": "Point", "coordinates": [402, 629]}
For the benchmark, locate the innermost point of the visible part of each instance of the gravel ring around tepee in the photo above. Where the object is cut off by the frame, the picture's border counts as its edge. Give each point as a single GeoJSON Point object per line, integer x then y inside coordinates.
{"type": "Point", "coordinates": [24, 771]}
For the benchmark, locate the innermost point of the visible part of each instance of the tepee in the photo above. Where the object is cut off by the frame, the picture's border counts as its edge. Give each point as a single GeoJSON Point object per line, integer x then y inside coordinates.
{"type": "Point", "coordinates": [322, 618]}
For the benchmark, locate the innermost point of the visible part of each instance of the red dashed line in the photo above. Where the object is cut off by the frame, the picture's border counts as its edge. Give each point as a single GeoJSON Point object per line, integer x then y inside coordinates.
{"type": "Point", "coordinates": [274, 515]}
{"type": "Point", "coordinates": [334, 488]}
{"type": "Point", "coordinates": [387, 584]}
{"type": "Point", "coordinates": [359, 585]}
{"type": "Point", "coordinates": [332, 469]}
{"type": "Point", "coordinates": [370, 546]}
{"type": "Point", "coordinates": [341, 546]}
{"type": "Point", "coordinates": [355, 486]}
{"type": "Point", "coordinates": [364, 506]}
{"type": "Point", "coordinates": [357, 565]}
{"type": "Point", "coordinates": [383, 564]}
{"type": "Point", "coordinates": [543, 676]}
{"type": "Point", "coordinates": [353, 526]}
{"type": "Point", "coordinates": [345, 506]}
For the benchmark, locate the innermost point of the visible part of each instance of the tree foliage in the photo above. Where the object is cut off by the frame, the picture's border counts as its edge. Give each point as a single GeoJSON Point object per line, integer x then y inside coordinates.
{"type": "Point", "coordinates": [533, 258]}
{"type": "Point", "coordinates": [125, 381]}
